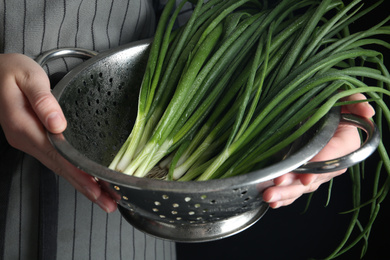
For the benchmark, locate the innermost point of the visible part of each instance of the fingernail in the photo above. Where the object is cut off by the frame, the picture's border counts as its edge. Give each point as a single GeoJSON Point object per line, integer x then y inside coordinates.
{"type": "Point", "coordinates": [275, 197]}
{"type": "Point", "coordinates": [371, 107]}
{"type": "Point", "coordinates": [91, 193]}
{"type": "Point", "coordinates": [102, 206]}
{"type": "Point", "coordinates": [285, 182]}
{"type": "Point", "coordinates": [54, 122]}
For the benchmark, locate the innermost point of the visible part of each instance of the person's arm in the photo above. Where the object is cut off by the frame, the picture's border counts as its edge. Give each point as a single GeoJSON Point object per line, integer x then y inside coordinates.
{"type": "Point", "coordinates": [27, 109]}
{"type": "Point", "coordinates": [291, 186]}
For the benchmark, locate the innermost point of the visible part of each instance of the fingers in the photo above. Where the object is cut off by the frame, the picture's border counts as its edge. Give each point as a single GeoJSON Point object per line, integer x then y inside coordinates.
{"type": "Point", "coordinates": [362, 109]}
{"type": "Point", "coordinates": [88, 186]}
{"type": "Point", "coordinates": [22, 128]}
{"type": "Point", "coordinates": [27, 110]}
{"type": "Point", "coordinates": [346, 139]}
{"type": "Point", "coordinates": [82, 181]}
{"type": "Point", "coordinates": [291, 186]}
{"type": "Point", "coordinates": [26, 75]}
{"type": "Point", "coordinates": [287, 189]}
{"type": "Point", "coordinates": [43, 102]}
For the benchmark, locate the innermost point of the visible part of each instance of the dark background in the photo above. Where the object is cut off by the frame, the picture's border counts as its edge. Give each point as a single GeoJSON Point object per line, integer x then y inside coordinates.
{"type": "Point", "coordinates": [288, 233]}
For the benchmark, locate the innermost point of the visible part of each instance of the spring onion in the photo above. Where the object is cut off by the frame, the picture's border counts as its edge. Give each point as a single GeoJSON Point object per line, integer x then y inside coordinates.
{"type": "Point", "coordinates": [229, 89]}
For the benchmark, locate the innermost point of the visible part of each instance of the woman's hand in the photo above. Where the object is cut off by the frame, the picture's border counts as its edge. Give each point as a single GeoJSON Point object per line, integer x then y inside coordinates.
{"type": "Point", "coordinates": [291, 186]}
{"type": "Point", "coordinates": [27, 110]}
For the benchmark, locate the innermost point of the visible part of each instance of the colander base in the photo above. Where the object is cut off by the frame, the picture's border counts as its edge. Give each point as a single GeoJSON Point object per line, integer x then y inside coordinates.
{"type": "Point", "coordinates": [194, 232]}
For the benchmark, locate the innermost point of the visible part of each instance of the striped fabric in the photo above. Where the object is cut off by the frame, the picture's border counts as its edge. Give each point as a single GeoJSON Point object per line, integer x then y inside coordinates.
{"type": "Point", "coordinates": [84, 231]}
{"type": "Point", "coordinates": [41, 215]}
{"type": "Point", "coordinates": [95, 24]}
{"type": "Point", "coordinates": [31, 27]}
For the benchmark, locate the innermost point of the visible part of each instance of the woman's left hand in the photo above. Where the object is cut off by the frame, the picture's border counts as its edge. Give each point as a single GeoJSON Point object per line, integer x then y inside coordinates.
{"type": "Point", "coordinates": [289, 187]}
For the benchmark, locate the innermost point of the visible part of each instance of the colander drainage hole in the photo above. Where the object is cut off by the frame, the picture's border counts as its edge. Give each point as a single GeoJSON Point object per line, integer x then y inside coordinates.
{"type": "Point", "coordinates": [157, 203]}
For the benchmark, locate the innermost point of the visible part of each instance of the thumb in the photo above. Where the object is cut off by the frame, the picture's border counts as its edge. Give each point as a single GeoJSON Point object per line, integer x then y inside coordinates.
{"type": "Point", "coordinates": [35, 85]}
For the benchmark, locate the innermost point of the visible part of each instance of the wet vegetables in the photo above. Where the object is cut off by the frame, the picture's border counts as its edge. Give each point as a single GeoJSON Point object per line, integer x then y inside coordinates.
{"type": "Point", "coordinates": [229, 89]}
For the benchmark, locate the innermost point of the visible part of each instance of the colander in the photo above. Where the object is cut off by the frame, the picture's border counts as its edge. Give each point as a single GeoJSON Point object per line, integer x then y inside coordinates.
{"type": "Point", "coordinates": [99, 100]}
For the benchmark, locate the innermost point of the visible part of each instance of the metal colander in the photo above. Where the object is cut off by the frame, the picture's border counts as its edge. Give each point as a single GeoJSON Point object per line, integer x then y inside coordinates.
{"type": "Point", "coordinates": [99, 100]}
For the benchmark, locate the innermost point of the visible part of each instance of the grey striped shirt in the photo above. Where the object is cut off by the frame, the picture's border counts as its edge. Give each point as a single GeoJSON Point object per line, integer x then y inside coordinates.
{"type": "Point", "coordinates": [82, 230]}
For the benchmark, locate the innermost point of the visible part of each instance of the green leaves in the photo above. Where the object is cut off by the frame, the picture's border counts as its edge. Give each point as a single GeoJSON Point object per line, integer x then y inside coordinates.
{"type": "Point", "coordinates": [242, 80]}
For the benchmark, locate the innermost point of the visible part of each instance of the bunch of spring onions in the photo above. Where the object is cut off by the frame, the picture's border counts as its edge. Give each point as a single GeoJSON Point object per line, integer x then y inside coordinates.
{"type": "Point", "coordinates": [229, 89]}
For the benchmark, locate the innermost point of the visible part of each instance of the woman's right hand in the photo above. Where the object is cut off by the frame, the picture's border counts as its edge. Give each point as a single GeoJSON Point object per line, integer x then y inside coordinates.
{"type": "Point", "coordinates": [27, 111]}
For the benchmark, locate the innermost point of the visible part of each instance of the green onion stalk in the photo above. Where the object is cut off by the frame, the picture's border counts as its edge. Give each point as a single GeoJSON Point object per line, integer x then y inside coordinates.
{"type": "Point", "coordinates": [243, 79]}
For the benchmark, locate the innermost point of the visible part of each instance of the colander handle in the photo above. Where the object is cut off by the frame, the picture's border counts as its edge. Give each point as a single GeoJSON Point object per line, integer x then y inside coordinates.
{"type": "Point", "coordinates": [367, 148]}
{"type": "Point", "coordinates": [64, 53]}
